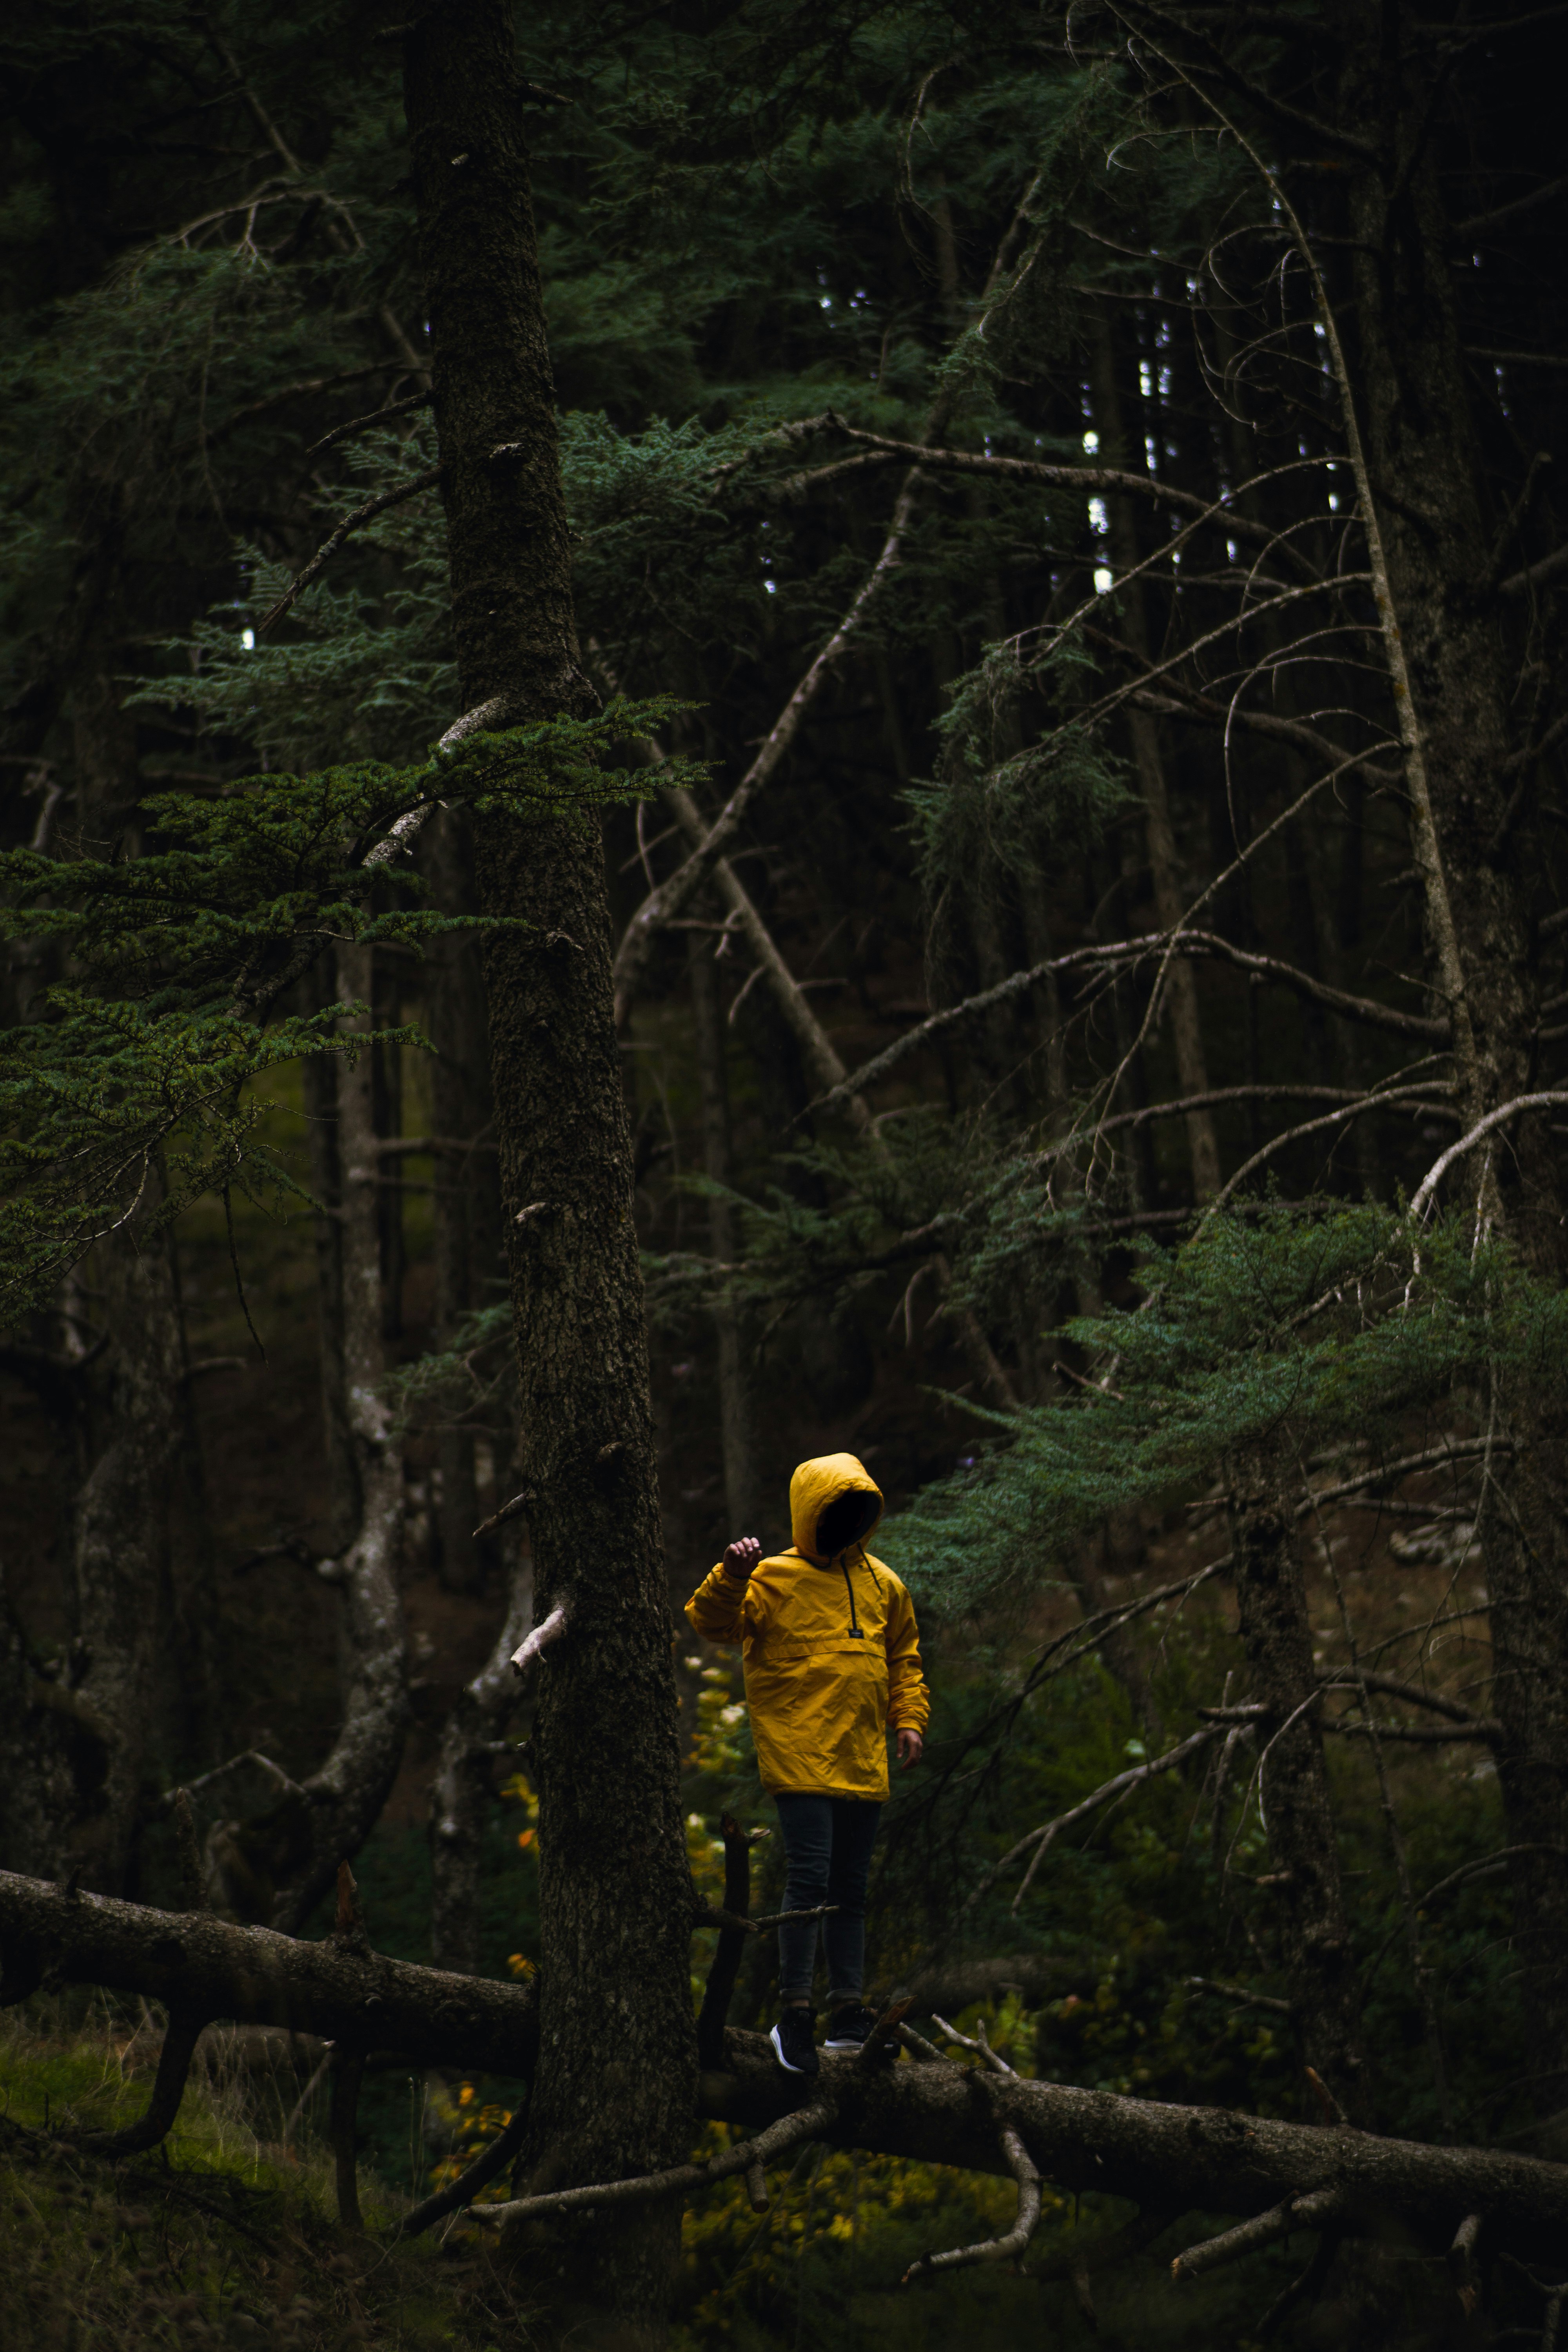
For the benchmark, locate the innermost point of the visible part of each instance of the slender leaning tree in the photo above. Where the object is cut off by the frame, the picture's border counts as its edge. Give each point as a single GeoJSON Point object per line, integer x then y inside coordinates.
{"type": "Point", "coordinates": [617, 2080]}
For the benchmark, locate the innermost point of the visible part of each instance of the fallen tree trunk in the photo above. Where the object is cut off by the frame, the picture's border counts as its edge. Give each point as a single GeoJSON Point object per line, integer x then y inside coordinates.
{"type": "Point", "coordinates": [203, 1967]}
{"type": "Point", "coordinates": [1162, 2157]}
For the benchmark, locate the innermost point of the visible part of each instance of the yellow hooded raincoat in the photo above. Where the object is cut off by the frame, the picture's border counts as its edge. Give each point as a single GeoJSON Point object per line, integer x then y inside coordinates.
{"type": "Point", "coordinates": [831, 1653]}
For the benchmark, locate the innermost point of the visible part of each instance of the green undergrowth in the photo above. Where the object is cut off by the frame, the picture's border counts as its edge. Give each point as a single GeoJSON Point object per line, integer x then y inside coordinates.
{"type": "Point", "coordinates": [221, 2237]}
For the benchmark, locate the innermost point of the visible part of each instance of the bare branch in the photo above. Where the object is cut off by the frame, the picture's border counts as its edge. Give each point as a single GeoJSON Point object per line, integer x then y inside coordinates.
{"type": "Point", "coordinates": [363, 423]}
{"type": "Point", "coordinates": [553, 1627]}
{"type": "Point", "coordinates": [1425, 1191]}
{"type": "Point", "coordinates": [881, 449]}
{"type": "Point", "coordinates": [1240, 1993]}
{"type": "Point", "coordinates": [493, 2159]}
{"type": "Point", "coordinates": [993, 2250]}
{"type": "Point", "coordinates": [1297, 2213]}
{"type": "Point", "coordinates": [328, 547]}
{"type": "Point", "coordinates": [168, 2089]}
{"type": "Point", "coordinates": [1042, 1837]}
{"type": "Point", "coordinates": [748, 2157]}
{"type": "Point", "coordinates": [980, 2045]}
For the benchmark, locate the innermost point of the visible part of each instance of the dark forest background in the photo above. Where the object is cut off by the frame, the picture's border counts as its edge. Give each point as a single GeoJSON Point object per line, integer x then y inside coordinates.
{"type": "Point", "coordinates": [1036, 1085]}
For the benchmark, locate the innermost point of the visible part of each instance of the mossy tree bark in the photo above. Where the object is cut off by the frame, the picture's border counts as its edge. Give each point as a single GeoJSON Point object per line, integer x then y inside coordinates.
{"type": "Point", "coordinates": [617, 2069]}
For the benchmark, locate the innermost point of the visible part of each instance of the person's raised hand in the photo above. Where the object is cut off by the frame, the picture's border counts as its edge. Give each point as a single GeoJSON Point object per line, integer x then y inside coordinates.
{"type": "Point", "coordinates": [741, 1557]}
{"type": "Point", "coordinates": [912, 1747]}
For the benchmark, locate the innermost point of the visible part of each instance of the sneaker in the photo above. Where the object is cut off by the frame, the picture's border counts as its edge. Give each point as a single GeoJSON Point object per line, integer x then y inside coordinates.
{"type": "Point", "coordinates": [849, 2028]}
{"type": "Point", "coordinates": [794, 2043]}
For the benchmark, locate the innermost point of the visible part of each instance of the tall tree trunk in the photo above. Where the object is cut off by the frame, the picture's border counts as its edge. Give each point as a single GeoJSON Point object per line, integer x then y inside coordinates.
{"type": "Point", "coordinates": [319, 1074]}
{"type": "Point", "coordinates": [461, 1791]}
{"type": "Point", "coordinates": [1186, 1026]}
{"type": "Point", "coordinates": [348, 1790]}
{"type": "Point", "coordinates": [467, 1255]}
{"type": "Point", "coordinates": [1292, 1785]}
{"type": "Point", "coordinates": [1425, 466]}
{"type": "Point", "coordinates": [743, 1496]}
{"type": "Point", "coordinates": [387, 1095]}
{"type": "Point", "coordinates": [617, 2067]}
{"type": "Point", "coordinates": [133, 1429]}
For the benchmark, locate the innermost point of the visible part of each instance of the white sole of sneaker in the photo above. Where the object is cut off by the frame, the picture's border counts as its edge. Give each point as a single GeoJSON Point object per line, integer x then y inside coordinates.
{"type": "Point", "coordinates": [831, 2045]}
{"type": "Point", "coordinates": [783, 2061]}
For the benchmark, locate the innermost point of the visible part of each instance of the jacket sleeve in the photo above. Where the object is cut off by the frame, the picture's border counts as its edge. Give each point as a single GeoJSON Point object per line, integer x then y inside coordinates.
{"type": "Point", "coordinates": [908, 1701]}
{"type": "Point", "coordinates": [718, 1606]}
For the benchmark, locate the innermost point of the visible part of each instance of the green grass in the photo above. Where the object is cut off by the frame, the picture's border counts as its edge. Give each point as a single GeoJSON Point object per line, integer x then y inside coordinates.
{"type": "Point", "coordinates": [224, 2236]}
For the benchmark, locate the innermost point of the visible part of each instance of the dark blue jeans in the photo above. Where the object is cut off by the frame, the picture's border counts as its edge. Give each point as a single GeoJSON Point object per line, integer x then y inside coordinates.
{"type": "Point", "coordinates": [828, 1846]}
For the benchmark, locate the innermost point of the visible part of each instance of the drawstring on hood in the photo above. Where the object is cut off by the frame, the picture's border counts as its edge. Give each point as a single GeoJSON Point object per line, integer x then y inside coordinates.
{"type": "Point", "coordinates": [815, 1487]}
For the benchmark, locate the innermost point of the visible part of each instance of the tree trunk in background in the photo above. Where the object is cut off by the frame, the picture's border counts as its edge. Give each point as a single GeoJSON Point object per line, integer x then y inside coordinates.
{"type": "Point", "coordinates": [1427, 473]}
{"type": "Point", "coordinates": [617, 2067]}
{"type": "Point", "coordinates": [122, 1541]}
{"type": "Point", "coordinates": [742, 1497]}
{"type": "Point", "coordinates": [1292, 1785]}
{"type": "Point", "coordinates": [348, 1791]}
{"type": "Point", "coordinates": [461, 1791]}
{"type": "Point", "coordinates": [468, 1250]}
{"type": "Point", "coordinates": [319, 1074]}
{"type": "Point", "coordinates": [135, 1422]}
{"type": "Point", "coordinates": [1181, 982]}
{"type": "Point", "coordinates": [386, 1097]}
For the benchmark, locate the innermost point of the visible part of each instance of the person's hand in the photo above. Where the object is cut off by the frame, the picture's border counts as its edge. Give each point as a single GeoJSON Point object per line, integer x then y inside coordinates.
{"type": "Point", "coordinates": [912, 1746]}
{"type": "Point", "coordinates": [741, 1557]}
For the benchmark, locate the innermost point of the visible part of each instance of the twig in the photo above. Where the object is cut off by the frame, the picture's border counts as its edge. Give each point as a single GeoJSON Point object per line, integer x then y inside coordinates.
{"type": "Point", "coordinates": [1239, 1993]}
{"type": "Point", "coordinates": [1042, 1837]}
{"type": "Point", "coordinates": [507, 1511]}
{"type": "Point", "coordinates": [788, 2132]}
{"type": "Point", "coordinates": [492, 2158]}
{"type": "Point", "coordinates": [328, 547]}
{"type": "Point", "coordinates": [373, 416]}
{"type": "Point", "coordinates": [994, 2058]}
{"type": "Point", "coordinates": [1297, 2213]}
{"type": "Point", "coordinates": [993, 2250]}
{"type": "Point", "coordinates": [1422, 1198]}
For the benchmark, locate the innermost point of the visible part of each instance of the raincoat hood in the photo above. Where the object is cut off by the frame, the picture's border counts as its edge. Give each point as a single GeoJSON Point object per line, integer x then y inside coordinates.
{"type": "Point", "coordinates": [817, 1483]}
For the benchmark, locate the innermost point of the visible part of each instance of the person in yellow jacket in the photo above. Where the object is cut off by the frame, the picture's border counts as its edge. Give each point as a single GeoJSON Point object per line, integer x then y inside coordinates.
{"type": "Point", "coordinates": [832, 1662]}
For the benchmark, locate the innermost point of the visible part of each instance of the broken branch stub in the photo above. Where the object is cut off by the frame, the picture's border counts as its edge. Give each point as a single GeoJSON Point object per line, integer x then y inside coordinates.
{"type": "Point", "coordinates": [551, 1629]}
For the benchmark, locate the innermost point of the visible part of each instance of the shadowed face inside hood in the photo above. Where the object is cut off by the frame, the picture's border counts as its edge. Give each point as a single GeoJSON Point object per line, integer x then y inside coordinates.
{"type": "Point", "coordinates": [834, 1502]}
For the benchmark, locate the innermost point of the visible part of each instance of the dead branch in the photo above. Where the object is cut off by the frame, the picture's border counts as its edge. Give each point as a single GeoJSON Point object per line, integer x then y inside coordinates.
{"type": "Point", "coordinates": [671, 896]}
{"type": "Point", "coordinates": [348, 2073]}
{"type": "Point", "coordinates": [748, 2157]}
{"type": "Point", "coordinates": [1126, 954]}
{"type": "Point", "coordinates": [1296, 2213]}
{"type": "Point", "coordinates": [994, 2250]}
{"type": "Point", "coordinates": [1158, 2155]}
{"type": "Point", "coordinates": [980, 2045]}
{"type": "Point", "coordinates": [553, 1627]}
{"type": "Point", "coordinates": [168, 2089]}
{"type": "Point", "coordinates": [1422, 1199]}
{"type": "Point", "coordinates": [198, 1964]}
{"type": "Point", "coordinates": [735, 1923]}
{"type": "Point", "coordinates": [493, 2160]}
{"type": "Point", "coordinates": [1239, 1993]}
{"type": "Point", "coordinates": [1045, 1837]}
{"type": "Point", "coordinates": [879, 449]}
{"type": "Point", "coordinates": [330, 545]}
